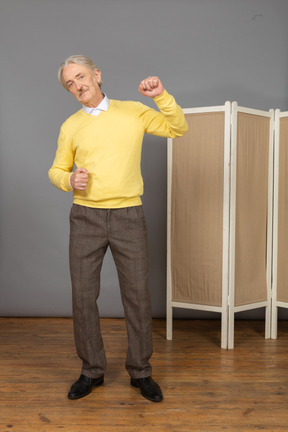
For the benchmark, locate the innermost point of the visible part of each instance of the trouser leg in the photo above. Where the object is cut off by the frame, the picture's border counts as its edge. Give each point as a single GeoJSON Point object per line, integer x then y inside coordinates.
{"type": "Point", "coordinates": [128, 243]}
{"type": "Point", "coordinates": [88, 244]}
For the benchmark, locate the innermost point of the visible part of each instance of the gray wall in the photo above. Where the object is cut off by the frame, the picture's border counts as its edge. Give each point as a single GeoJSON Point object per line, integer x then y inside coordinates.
{"type": "Point", "coordinates": [205, 51]}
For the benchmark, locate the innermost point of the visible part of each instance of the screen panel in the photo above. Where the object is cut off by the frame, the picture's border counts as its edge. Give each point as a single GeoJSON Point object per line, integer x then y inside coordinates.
{"type": "Point", "coordinates": [197, 211]}
{"type": "Point", "coordinates": [253, 132]}
{"type": "Point", "coordinates": [282, 270]}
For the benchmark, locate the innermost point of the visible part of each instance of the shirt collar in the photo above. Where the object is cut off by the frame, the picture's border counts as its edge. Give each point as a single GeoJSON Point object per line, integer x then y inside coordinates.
{"type": "Point", "coordinates": [103, 106]}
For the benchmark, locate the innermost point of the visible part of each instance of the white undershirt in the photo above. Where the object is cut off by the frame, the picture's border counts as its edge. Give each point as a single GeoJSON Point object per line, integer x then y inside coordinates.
{"type": "Point", "coordinates": [103, 106]}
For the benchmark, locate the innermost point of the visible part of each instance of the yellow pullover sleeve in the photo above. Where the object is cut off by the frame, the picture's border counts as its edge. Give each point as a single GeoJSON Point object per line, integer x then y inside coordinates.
{"type": "Point", "coordinates": [59, 173]}
{"type": "Point", "coordinates": [170, 122]}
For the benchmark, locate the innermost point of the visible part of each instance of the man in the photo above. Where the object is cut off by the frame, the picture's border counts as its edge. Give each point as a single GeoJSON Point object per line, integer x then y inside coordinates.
{"type": "Point", "coordinates": [103, 139]}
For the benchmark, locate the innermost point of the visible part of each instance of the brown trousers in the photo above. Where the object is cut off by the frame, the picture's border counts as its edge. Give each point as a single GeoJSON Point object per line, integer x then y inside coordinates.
{"type": "Point", "coordinates": [124, 231]}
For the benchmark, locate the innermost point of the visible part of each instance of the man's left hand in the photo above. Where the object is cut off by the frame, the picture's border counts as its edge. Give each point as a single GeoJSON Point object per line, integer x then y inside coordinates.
{"type": "Point", "coordinates": [151, 87]}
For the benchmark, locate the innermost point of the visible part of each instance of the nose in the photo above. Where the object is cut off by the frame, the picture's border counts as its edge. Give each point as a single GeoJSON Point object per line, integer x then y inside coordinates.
{"type": "Point", "coordinates": [78, 85]}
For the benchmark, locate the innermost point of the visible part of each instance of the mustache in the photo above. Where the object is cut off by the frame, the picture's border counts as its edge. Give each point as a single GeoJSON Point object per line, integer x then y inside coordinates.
{"type": "Point", "coordinates": [83, 89]}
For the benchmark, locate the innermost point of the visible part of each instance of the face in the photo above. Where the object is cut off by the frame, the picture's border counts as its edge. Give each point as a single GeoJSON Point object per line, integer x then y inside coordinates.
{"type": "Point", "coordinates": [83, 84]}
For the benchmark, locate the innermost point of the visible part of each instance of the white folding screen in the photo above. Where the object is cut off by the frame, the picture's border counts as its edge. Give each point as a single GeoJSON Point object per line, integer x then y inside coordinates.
{"type": "Point", "coordinates": [225, 151]}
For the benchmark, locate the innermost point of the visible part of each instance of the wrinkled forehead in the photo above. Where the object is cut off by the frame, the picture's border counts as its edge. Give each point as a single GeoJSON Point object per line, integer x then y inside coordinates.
{"type": "Point", "coordinates": [73, 70]}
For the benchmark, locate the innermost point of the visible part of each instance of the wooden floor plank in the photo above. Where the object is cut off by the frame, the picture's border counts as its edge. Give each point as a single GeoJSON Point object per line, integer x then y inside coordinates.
{"type": "Point", "coordinates": [206, 389]}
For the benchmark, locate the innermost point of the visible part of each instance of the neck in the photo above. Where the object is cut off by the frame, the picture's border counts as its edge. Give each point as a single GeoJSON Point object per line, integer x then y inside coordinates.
{"type": "Point", "coordinates": [94, 104]}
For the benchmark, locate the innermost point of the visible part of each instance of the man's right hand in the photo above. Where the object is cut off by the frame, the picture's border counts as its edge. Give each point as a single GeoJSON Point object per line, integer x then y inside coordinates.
{"type": "Point", "coordinates": [79, 179]}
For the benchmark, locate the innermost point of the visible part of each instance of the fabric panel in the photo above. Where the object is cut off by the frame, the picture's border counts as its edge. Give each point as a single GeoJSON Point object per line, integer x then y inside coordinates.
{"type": "Point", "coordinates": [197, 211]}
{"type": "Point", "coordinates": [251, 208]}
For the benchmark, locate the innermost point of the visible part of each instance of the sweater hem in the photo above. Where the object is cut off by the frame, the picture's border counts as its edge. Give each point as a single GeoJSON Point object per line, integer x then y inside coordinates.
{"type": "Point", "coordinates": [109, 204]}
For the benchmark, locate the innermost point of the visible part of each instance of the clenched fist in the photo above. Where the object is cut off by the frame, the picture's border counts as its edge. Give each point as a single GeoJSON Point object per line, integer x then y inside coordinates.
{"type": "Point", "coordinates": [151, 87]}
{"type": "Point", "coordinates": [79, 179]}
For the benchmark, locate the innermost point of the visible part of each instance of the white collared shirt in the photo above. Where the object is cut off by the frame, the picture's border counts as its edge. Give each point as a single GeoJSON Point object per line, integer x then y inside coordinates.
{"type": "Point", "coordinates": [103, 106]}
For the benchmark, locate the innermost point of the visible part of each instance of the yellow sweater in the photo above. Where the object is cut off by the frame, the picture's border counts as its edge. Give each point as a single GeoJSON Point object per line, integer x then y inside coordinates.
{"type": "Point", "coordinates": [109, 147]}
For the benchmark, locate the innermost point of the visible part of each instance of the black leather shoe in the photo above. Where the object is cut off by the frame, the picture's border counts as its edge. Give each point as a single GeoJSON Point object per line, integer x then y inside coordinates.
{"type": "Point", "coordinates": [83, 386]}
{"type": "Point", "coordinates": [149, 388]}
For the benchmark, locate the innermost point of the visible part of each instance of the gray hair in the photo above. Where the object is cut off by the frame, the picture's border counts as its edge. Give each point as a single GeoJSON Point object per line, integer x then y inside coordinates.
{"type": "Point", "coordinates": [77, 59]}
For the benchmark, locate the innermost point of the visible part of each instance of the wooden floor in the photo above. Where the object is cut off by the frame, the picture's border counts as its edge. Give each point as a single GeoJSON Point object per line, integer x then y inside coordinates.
{"type": "Point", "coordinates": [205, 388]}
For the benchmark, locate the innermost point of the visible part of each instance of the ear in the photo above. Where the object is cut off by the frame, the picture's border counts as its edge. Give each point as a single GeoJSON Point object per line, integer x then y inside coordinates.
{"type": "Point", "coordinates": [97, 74]}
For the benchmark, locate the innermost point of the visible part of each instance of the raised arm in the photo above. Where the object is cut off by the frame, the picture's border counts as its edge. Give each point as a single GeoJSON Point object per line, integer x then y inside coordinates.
{"type": "Point", "coordinates": [170, 121]}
